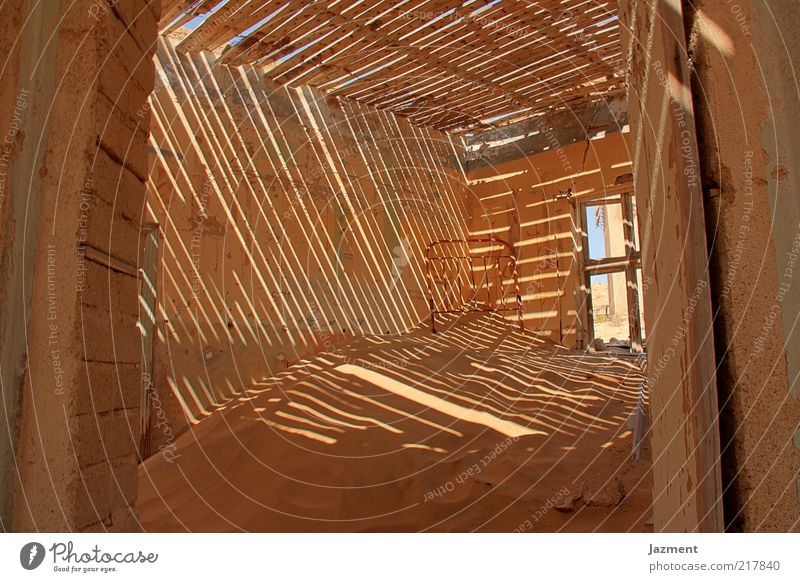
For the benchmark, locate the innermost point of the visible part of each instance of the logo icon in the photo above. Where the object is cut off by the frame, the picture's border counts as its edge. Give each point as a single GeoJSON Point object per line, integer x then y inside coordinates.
{"type": "Point", "coordinates": [31, 555]}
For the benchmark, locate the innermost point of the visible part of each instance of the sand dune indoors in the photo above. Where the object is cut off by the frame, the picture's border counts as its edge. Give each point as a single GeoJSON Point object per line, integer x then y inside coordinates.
{"type": "Point", "coordinates": [476, 428]}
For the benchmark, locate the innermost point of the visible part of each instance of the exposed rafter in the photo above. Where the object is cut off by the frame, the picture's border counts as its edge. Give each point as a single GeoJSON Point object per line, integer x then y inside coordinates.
{"type": "Point", "coordinates": [456, 65]}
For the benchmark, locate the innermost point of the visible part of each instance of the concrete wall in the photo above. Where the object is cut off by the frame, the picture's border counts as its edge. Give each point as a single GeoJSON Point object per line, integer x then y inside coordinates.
{"type": "Point", "coordinates": [513, 177]}
{"type": "Point", "coordinates": [289, 222]}
{"type": "Point", "coordinates": [748, 109]}
{"type": "Point", "coordinates": [73, 172]}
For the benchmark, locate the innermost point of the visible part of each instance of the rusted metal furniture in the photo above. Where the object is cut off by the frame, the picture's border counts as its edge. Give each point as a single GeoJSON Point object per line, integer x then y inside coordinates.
{"type": "Point", "coordinates": [472, 275]}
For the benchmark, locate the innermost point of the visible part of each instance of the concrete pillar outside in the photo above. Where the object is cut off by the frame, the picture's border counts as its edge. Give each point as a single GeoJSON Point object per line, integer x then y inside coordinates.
{"type": "Point", "coordinates": [615, 247]}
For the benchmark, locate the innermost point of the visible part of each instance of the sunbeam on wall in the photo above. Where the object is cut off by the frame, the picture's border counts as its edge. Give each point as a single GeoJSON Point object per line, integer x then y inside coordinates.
{"type": "Point", "coordinates": [288, 221]}
{"type": "Point", "coordinates": [531, 198]}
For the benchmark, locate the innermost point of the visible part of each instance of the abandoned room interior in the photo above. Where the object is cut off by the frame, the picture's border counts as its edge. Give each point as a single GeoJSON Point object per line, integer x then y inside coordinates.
{"type": "Point", "coordinates": [399, 266]}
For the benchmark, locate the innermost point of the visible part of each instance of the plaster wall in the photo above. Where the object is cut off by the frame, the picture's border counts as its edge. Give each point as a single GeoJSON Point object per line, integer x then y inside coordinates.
{"type": "Point", "coordinates": [748, 109]}
{"type": "Point", "coordinates": [289, 221]}
{"type": "Point", "coordinates": [687, 487]}
{"type": "Point", "coordinates": [516, 198]}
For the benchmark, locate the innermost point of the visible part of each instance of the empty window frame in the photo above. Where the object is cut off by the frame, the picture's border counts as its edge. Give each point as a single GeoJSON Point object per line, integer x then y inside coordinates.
{"type": "Point", "coordinates": [611, 259]}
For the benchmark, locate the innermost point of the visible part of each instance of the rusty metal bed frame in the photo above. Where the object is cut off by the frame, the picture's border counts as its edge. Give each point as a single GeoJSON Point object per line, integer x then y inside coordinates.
{"type": "Point", "coordinates": [490, 260]}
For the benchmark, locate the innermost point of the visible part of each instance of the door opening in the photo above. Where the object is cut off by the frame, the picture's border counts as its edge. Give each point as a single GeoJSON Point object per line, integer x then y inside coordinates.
{"type": "Point", "coordinates": [147, 326]}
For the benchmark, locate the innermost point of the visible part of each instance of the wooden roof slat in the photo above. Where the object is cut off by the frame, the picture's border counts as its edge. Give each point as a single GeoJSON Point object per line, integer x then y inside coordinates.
{"type": "Point", "coordinates": [567, 57]}
{"type": "Point", "coordinates": [292, 20]}
{"type": "Point", "coordinates": [449, 64]}
{"type": "Point", "coordinates": [426, 58]}
{"type": "Point", "coordinates": [195, 8]}
{"type": "Point", "coordinates": [221, 26]}
{"type": "Point", "coordinates": [341, 28]}
{"type": "Point", "coordinates": [347, 25]}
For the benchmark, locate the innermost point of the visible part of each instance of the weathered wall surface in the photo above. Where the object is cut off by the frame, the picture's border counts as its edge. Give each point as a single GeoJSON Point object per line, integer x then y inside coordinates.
{"type": "Point", "coordinates": [748, 109]}
{"type": "Point", "coordinates": [73, 184]}
{"type": "Point", "coordinates": [288, 222]}
{"type": "Point", "coordinates": [14, 103]}
{"type": "Point", "coordinates": [514, 176]}
{"type": "Point", "coordinates": [681, 369]}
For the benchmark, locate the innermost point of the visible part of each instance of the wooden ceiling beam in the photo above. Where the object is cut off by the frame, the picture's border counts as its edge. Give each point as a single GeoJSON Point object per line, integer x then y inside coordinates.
{"type": "Point", "coordinates": [438, 62]}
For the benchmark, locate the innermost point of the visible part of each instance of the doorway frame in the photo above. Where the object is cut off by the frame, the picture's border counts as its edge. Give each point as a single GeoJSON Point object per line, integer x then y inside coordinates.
{"type": "Point", "coordinates": [151, 251]}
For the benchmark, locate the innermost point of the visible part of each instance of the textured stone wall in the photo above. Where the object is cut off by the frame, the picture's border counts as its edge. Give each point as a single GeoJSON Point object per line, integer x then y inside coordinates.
{"type": "Point", "coordinates": [73, 202]}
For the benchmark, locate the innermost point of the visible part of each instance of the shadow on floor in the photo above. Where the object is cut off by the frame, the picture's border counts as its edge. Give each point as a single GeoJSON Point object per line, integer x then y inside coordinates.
{"type": "Point", "coordinates": [479, 427]}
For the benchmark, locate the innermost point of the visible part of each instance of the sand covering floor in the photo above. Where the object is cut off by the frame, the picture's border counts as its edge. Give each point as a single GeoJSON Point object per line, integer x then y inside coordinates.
{"type": "Point", "coordinates": [477, 428]}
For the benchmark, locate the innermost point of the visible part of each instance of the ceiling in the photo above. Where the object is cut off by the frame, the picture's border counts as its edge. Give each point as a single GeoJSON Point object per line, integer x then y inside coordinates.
{"type": "Point", "coordinates": [456, 65]}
